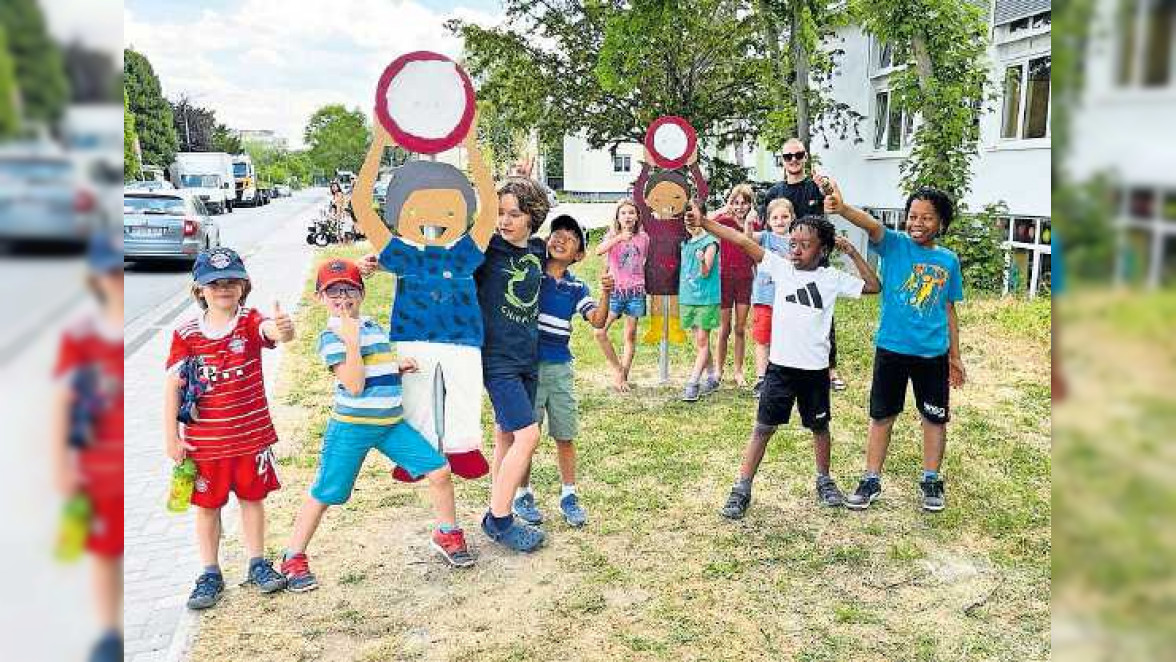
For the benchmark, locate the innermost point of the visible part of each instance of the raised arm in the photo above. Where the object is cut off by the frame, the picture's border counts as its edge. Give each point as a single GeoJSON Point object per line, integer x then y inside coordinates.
{"type": "Point", "coordinates": [747, 244]}
{"type": "Point", "coordinates": [873, 284]}
{"type": "Point", "coordinates": [835, 204]}
{"type": "Point", "coordinates": [487, 216]}
{"type": "Point", "coordinates": [701, 190]}
{"type": "Point", "coordinates": [369, 219]}
{"type": "Point", "coordinates": [639, 191]}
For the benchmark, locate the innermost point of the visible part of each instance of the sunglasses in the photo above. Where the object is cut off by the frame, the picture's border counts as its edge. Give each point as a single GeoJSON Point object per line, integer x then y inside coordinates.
{"type": "Point", "coordinates": [793, 156]}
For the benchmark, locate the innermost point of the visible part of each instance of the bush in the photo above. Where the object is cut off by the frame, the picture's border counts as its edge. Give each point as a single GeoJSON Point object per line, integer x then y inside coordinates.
{"type": "Point", "coordinates": [974, 239]}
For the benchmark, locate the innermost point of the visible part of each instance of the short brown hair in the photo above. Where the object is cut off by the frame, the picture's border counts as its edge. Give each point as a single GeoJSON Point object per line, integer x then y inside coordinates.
{"type": "Point", "coordinates": [741, 191]}
{"type": "Point", "coordinates": [532, 199]}
{"type": "Point", "coordinates": [204, 304]}
{"type": "Point", "coordinates": [777, 203]}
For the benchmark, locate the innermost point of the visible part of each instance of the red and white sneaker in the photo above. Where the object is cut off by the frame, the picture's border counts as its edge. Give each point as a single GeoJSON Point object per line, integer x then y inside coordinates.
{"type": "Point", "coordinates": [298, 576]}
{"type": "Point", "coordinates": [452, 547]}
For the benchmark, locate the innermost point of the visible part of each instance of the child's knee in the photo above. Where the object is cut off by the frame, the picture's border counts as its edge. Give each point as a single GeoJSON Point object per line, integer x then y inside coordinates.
{"type": "Point", "coordinates": [440, 475]}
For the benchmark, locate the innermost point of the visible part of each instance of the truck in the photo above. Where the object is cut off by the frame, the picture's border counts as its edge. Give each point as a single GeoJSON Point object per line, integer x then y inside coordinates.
{"type": "Point", "coordinates": [245, 181]}
{"type": "Point", "coordinates": [210, 174]}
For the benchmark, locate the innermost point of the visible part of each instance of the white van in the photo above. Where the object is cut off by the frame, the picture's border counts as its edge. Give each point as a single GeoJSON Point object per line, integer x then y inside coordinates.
{"type": "Point", "coordinates": [211, 173]}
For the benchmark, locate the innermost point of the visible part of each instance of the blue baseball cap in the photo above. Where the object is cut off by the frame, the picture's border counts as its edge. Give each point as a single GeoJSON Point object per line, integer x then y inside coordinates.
{"type": "Point", "coordinates": [104, 252]}
{"type": "Point", "coordinates": [218, 263]}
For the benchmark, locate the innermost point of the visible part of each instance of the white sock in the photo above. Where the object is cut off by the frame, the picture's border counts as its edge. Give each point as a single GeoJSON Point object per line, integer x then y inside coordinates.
{"type": "Point", "coordinates": [566, 490]}
{"type": "Point", "coordinates": [526, 489]}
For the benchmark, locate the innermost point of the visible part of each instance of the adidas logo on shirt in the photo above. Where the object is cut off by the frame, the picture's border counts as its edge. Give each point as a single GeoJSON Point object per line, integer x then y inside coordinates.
{"type": "Point", "coordinates": [807, 296]}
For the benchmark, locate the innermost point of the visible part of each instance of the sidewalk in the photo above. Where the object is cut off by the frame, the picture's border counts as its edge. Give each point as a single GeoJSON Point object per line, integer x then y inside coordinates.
{"type": "Point", "coordinates": [161, 557]}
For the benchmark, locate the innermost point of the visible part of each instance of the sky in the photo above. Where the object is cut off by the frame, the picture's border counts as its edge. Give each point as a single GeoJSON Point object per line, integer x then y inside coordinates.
{"type": "Point", "coordinates": [95, 23]}
{"type": "Point", "coordinates": [269, 64]}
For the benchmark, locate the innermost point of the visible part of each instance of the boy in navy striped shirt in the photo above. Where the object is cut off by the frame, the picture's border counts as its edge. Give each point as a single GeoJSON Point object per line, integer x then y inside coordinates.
{"type": "Point", "coordinates": [367, 414]}
{"type": "Point", "coordinates": [562, 296]}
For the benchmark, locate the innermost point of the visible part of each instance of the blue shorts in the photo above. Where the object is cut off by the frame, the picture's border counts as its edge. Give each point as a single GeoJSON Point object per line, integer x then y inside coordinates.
{"type": "Point", "coordinates": [513, 398]}
{"type": "Point", "coordinates": [346, 445]}
{"type": "Point", "coordinates": [630, 303]}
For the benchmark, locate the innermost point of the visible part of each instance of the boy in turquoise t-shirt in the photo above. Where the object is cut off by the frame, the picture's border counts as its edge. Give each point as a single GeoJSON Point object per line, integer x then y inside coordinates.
{"type": "Point", "coordinates": [699, 296]}
{"type": "Point", "coordinates": [918, 337]}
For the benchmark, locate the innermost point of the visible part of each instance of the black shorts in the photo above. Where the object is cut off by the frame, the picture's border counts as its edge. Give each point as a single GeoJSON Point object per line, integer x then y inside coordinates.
{"type": "Point", "coordinates": [809, 389]}
{"type": "Point", "coordinates": [929, 376]}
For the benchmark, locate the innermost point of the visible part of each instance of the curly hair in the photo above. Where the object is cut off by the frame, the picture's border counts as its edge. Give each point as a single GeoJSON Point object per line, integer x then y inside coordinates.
{"type": "Point", "coordinates": [825, 231]}
{"type": "Point", "coordinates": [938, 199]}
{"type": "Point", "coordinates": [532, 199]}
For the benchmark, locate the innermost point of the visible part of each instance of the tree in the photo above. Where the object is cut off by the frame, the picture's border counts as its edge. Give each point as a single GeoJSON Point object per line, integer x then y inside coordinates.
{"type": "Point", "coordinates": [338, 138]}
{"type": "Point", "coordinates": [942, 80]}
{"type": "Point", "coordinates": [40, 70]}
{"type": "Point", "coordinates": [607, 70]}
{"type": "Point", "coordinates": [195, 126]}
{"type": "Point", "coordinates": [9, 91]}
{"type": "Point", "coordinates": [153, 115]}
{"type": "Point", "coordinates": [131, 165]}
{"type": "Point", "coordinates": [93, 77]}
{"type": "Point", "coordinates": [225, 140]}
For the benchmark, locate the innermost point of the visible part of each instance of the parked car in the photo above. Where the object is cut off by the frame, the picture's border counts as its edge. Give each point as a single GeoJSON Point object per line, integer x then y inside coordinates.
{"type": "Point", "coordinates": [166, 225]}
{"type": "Point", "coordinates": [149, 185]}
{"type": "Point", "coordinates": [212, 173]}
{"type": "Point", "coordinates": [42, 198]}
{"type": "Point", "coordinates": [283, 191]}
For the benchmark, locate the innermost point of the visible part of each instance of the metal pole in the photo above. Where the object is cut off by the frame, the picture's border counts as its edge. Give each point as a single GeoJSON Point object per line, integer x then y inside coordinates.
{"type": "Point", "coordinates": [663, 361]}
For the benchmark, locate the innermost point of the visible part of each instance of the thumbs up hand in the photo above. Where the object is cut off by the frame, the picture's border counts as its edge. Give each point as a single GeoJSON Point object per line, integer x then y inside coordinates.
{"type": "Point", "coordinates": [283, 323]}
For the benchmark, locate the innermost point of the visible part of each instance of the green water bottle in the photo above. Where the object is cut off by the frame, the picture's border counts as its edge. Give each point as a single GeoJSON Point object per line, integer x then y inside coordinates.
{"type": "Point", "coordinates": [74, 529]}
{"type": "Point", "coordinates": [182, 482]}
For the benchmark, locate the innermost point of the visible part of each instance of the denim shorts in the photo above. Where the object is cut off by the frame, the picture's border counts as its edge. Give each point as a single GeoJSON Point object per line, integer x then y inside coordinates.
{"type": "Point", "coordinates": [627, 303]}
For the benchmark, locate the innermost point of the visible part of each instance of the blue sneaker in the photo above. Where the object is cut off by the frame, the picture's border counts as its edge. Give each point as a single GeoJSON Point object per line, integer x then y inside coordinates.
{"type": "Point", "coordinates": [265, 577]}
{"type": "Point", "coordinates": [519, 536]}
{"type": "Point", "coordinates": [572, 512]}
{"type": "Point", "coordinates": [209, 589]}
{"type": "Point", "coordinates": [108, 649]}
{"type": "Point", "coordinates": [524, 507]}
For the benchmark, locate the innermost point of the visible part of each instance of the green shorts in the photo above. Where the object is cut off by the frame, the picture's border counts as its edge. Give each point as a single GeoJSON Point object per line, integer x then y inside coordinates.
{"type": "Point", "coordinates": [556, 397]}
{"type": "Point", "coordinates": [702, 317]}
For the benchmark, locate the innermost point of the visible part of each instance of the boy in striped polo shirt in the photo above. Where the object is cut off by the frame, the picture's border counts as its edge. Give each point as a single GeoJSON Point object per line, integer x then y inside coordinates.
{"type": "Point", "coordinates": [367, 414]}
{"type": "Point", "coordinates": [562, 296]}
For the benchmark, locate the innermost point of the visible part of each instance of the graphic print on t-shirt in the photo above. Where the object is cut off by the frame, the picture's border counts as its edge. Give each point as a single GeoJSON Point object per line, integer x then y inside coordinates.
{"type": "Point", "coordinates": [924, 286]}
{"type": "Point", "coordinates": [808, 295]}
{"type": "Point", "coordinates": [521, 305]}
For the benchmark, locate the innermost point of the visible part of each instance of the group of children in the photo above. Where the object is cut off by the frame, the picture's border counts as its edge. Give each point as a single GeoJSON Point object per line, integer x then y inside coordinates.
{"type": "Point", "coordinates": [520, 298]}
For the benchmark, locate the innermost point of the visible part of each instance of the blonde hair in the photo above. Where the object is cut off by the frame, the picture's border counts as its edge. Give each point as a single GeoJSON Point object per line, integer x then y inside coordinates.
{"type": "Point", "coordinates": [204, 304]}
{"type": "Point", "coordinates": [776, 204]}
{"type": "Point", "coordinates": [741, 191]}
{"type": "Point", "coordinates": [616, 224]}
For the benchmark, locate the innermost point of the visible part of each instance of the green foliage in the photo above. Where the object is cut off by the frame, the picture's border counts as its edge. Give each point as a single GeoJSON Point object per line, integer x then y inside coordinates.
{"type": "Point", "coordinates": [9, 91]}
{"type": "Point", "coordinates": [338, 138]}
{"type": "Point", "coordinates": [945, 44]}
{"type": "Point", "coordinates": [195, 126]}
{"type": "Point", "coordinates": [40, 68]}
{"type": "Point", "coordinates": [224, 140]}
{"type": "Point", "coordinates": [278, 166]}
{"type": "Point", "coordinates": [974, 239]}
{"type": "Point", "coordinates": [153, 115]}
{"type": "Point", "coordinates": [502, 142]}
{"type": "Point", "coordinates": [131, 165]}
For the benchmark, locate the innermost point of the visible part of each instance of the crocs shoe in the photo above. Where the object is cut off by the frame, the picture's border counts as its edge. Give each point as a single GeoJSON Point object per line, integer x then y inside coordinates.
{"type": "Point", "coordinates": [519, 536]}
{"type": "Point", "coordinates": [572, 512]}
{"type": "Point", "coordinates": [524, 507]}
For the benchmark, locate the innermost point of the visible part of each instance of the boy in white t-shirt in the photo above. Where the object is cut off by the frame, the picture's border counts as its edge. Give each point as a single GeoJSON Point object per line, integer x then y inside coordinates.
{"type": "Point", "coordinates": [798, 358]}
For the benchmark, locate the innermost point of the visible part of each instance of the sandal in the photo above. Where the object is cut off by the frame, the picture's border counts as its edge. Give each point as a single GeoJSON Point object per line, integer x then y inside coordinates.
{"type": "Point", "coordinates": [519, 536]}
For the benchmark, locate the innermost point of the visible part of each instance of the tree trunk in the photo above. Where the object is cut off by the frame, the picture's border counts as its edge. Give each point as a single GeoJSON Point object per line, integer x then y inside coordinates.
{"type": "Point", "coordinates": [771, 36]}
{"type": "Point", "coordinates": [800, 61]}
{"type": "Point", "coordinates": [922, 61]}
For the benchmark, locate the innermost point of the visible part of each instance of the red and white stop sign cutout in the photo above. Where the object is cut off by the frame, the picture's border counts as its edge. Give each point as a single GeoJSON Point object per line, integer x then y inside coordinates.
{"type": "Point", "coordinates": [426, 102]}
{"type": "Point", "coordinates": [670, 141]}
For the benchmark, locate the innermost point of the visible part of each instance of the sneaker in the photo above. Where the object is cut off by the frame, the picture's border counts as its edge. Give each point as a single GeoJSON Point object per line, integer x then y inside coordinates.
{"type": "Point", "coordinates": [736, 505]}
{"type": "Point", "coordinates": [452, 547]}
{"type": "Point", "coordinates": [525, 508]}
{"type": "Point", "coordinates": [828, 493]}
{"type": "Point", "coordinates": [209, 589]}
{"type": "Point", "coordinates": [867, 490]}
{"type": "Point", "coordinates": [709, 386]}
{"type": "Point", "coordinates": [108, 649]}
{"type": "Point", "coordinates": [519, 536]}
{"type": "Point", "coordinates": [690, 393]}
{"type": "Point", "coordinates": [933, 500]}
{"type": "Point", "coordinates": [299, 579]}
{"type": "Point", "coordinates": [573, 514]}
{"type": "Point", "coordinates": [758, 388]}
{"type": "Point", "coordinates": [263, 575]}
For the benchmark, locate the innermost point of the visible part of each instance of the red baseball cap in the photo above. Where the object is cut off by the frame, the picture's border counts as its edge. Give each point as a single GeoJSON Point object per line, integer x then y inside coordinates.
{"type": "Point", "coordinates": [338, 271]}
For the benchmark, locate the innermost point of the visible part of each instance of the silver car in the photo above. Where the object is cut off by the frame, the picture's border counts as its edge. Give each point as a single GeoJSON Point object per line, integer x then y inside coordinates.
{"type": "Point", "coordinates": [41, 200]}
{"type": "Point", "coordinates": [166, 225]}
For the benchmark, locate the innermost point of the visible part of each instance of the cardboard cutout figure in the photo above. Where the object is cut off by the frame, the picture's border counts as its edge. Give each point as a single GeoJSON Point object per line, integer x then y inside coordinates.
{"type": "Point", "coordinates": [440, 226]}
{"type": "Point", "coordinates": [670, 140]}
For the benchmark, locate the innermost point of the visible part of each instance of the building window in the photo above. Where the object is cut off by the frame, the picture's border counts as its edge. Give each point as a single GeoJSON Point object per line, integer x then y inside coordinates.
{"type": "Point", "coordinates": [893, 127]}
{"type": "Point", "coordinates": [622, 163]}
{"type": "Point", "coordinates": [1036, 22]}
{"type": "Point", "coordinates": [1026, 99]}
{"type": "Point", "coordinates": [1147, 43]}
